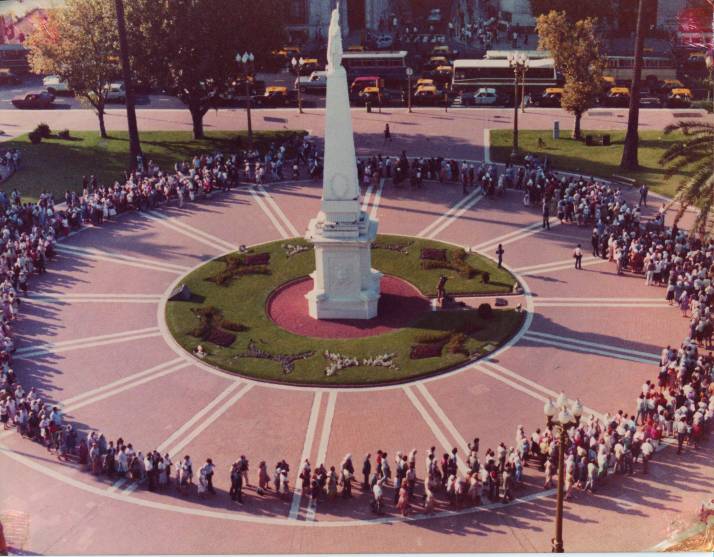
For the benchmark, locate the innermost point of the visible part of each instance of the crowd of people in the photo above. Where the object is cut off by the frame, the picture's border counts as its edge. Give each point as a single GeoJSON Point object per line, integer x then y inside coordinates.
{"type": "Point", "coordinates": [678, 404]}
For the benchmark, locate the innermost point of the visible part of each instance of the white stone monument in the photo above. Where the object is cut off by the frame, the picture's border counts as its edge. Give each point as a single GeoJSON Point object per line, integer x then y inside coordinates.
{"type": "Point", "coordinates": [345, 285]}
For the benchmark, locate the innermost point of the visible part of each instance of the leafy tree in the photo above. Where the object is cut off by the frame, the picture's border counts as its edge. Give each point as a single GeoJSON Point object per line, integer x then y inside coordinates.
{"type": "Point", "coordinates": [576, 51]}
{"type": "Point", "coordinates": [79, 44]}
{"type": "Point", "coordinates": [189, 46]}
{"type": "Point", "coordinates": [696, 154]}
{"type": "Point", "coordinates": [575, 10]}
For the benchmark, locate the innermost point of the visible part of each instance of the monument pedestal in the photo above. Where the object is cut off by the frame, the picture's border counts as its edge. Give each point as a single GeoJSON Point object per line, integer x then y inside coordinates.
{"type": "Point", "coordinates": [345, 285]}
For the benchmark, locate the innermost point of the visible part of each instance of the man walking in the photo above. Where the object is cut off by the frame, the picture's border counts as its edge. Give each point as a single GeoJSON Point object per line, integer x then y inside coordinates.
{"type": "Point", "coordinates": [578, 255]}
{"type": "Point", "coordinates": [499, 252]}
{"type": "Point", "coordinates": [644, 190]}
{"type": "Point", "coordinates": [387, 133]}
{"type": "Point", "coordinates": [236, 482]}
{"type": "Point", "coordinates": [546, 214]}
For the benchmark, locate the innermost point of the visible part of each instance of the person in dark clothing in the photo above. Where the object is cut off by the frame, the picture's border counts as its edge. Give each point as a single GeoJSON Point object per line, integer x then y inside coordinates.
{"type": "Point", "coordinates": [499, 252]}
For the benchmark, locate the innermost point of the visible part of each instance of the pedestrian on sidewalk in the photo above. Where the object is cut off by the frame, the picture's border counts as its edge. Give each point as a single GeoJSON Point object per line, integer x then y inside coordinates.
{"type": "Point", "coordinates": [578, 256]}
{"type": "Point", "coordinates": [387, 133]}
{"type": "Point", "coordinates": [546, 214]}
{"type": "Point", "coordinates": [499, 252]}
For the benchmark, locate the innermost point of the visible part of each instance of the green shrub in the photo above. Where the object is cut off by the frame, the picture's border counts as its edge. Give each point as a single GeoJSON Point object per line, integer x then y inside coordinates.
{"type": "Point", "coordinates": [35, 137]}
{"type": "Point", "coordinates": [43, 130]}
{"type": "Point", "coordinates": [485, 311]}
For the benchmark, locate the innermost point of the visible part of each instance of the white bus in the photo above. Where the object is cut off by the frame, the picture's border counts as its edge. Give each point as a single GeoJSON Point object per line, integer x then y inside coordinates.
{"type": "Point", "coordinates": [390, 66]}
{"type": "Point", "coordinates": [470, 75]}
{"type": "Point", "coordinates": [654, 68]}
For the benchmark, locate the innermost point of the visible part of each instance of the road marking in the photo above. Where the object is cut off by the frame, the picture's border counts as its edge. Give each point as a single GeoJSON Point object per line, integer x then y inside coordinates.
{"type": "Point", "coordinates": [132, 487]}
{"type": "Point", "coordinates": [594, 344]}
{"type": "Point", "coordinates": [121, 381]}
{"type": "Point", "coordinates": [190, 231]}
{"type": "Point", "coordinates": [498, 372]}
{"type": "Point", "coordinates": [276, 222]}
{"type": "Point", "coordinates": [659, 304]}
{"type": "Point", "coordinates": [455, 216]}
{"type": "Point", "coordinates": [515, 236]}
{"type": "Point", "coordinates": [539, 299]}
{"type": "Point", "coordinates": [433, 426]}
{"type": "Point", "coordinates": [322, 447]}
{"type": "Point", "coordinates": [307, 447]}
{"type": "Point", "coordinates": [365, 199]}
{"type": "Point", "coordinates": [455, 207]}
{"type": "Point", "coordinates": [121, 260]}
{"type": "Point", "coordinates": [185, 427]}
{"type": "Point", "coordinates": [86, 342]}
{"type": "Point", "coordinates": [278, 211]}
{"type": "Point", "coordinates": [116, 486]}
{"type": "Point", "coordinates": [561, 265]}
{"type": "Point", "coordinates": [444, 418]}
{"type": "Point", "coordinates": [589, 350]}
{"type": "Point", "coordinates": [377, 199]}
{"type": "Point", "coordinates": [125, 387]}
{"type": "Point", "coordinates": [208, 421]}
{"type": "Point", "coordinates": [57, 299]}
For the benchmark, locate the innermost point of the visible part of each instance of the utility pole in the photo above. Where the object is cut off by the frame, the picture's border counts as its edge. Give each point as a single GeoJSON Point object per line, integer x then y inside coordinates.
{"type": "Point", "coordinates": [629, 152]}
{"type": "Point", "coordinates": [134, 145]}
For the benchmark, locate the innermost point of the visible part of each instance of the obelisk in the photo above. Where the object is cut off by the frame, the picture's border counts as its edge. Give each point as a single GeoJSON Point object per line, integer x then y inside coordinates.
{"type": "Point", "coordinates": [345, 285]}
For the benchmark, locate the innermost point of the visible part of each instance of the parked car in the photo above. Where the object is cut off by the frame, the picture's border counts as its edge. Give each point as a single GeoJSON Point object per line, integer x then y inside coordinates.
{"type": "Point", "coordinates": [618, 96]}
{"type": "Point", "coordinates": [274, 96]}
{"type": "Point", "coordinates": [383, 42]}
{"type": "Point", "coordinates": [679, 98]}
{"type": "Point", "coordinates": [376, 96]}
{"type": "Point", "coordinates": [485, 96]}
{"type": "Point", "coordinates": [37, 99]}
{"type": "Point", "coordinates": [7, 77]}
{"type": "Point", "coordinates": [56, 86]}
{"type": "Point", "coordinates": [650, 102]}
{"type": "Point", "coordinates": [551, 97]}
{"type": "Point", "coordinates": [427, 95]}
{"type": "Point", "coordinates": [316, 82]}
{"type": "Point", "coordinates": [116, 93]}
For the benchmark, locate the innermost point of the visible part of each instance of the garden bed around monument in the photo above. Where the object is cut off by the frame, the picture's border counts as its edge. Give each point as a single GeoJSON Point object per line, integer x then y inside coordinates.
{"type": "Point", "coordinates": [232, 323]}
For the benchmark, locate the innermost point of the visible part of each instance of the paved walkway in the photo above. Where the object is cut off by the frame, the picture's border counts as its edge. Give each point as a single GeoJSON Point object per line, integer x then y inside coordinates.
{"type": "Point", "coordinates": [93, 337]}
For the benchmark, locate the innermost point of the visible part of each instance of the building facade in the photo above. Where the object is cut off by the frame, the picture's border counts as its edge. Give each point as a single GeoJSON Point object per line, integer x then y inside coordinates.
{"type": "Point", "coordinates": [310, 19]}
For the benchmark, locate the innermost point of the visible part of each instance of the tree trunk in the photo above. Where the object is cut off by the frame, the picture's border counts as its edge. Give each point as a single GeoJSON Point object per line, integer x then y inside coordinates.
{"type": "Point", "coordinates": [134, 145]}
{"type": "Point", "coordinates": [102, 127]}
{"type": "Point", "coordinates": [629, 153]}
{"type": "Point", "coordinates": [197, 114]}
{"type": "Point", "coordinates": [577, 132]}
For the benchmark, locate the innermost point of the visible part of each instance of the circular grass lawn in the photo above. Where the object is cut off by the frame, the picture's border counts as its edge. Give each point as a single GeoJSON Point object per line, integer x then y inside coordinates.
{"type": "Point", "coordinates": [227, 316]}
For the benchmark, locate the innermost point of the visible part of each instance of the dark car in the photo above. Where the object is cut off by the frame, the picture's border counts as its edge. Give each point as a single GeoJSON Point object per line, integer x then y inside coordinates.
{"type": "Point", "coordinates": [39, 99]}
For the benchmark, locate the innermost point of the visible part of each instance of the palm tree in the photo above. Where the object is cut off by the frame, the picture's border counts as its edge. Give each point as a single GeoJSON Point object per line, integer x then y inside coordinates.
{"type": "Point", "coordinates": [696, 156]}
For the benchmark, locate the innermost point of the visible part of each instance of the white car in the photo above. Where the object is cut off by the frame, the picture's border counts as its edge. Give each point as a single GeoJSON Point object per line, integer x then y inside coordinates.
{"type": "Point", "coordinates": [55, 86]}
{"type": "Point", "coordinates": [116, 92]}
{"type": "Point", "coordinates": [485, 97]}
{"type": "Point", "coordinates": [316, 82]}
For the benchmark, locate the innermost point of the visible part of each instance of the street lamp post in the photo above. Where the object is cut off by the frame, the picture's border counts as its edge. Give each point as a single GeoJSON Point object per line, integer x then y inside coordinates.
{"type": "Point", "coordinates": [523, 94]}
{"type": "Point", "coordinates": [246, 60]}
{"type": "Point", "coordinates": [409, 89]}
{"type": "Point", "coordinates": [297, 65]}
{"type": "Point", "coordinates": [519, 64]}
{"type": "Point", "coordinates": [561, 416]}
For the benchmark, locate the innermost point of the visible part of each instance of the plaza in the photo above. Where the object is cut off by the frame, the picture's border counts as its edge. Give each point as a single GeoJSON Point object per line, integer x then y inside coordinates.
{"type": "Point", "coordinates": [389, 328]}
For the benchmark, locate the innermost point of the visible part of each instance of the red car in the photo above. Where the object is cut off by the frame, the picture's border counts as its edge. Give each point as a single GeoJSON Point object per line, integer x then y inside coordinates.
{"type": "Point", "coordinates": [40, 99]}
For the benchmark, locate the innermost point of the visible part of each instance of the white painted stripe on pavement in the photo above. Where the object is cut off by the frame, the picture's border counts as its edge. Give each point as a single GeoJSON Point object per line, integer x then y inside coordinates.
{"type": "Point", "coordinates": [275, 221]}
{"type": "Point", "coordinates": [433, 426]}
{"type": "Point", "coordinates": [365, 199]}
{"type": "Point", "coordinates": [377, 199]}
{"type": "Point", "coordinates": [588, 350]}
{"type": "Point", "coordinates": [563, 267]}
{"type": "Point", "coordinates": [128, 386]}
{"type": "Point", "coordinates": [47, 301]}
{"type": "Point", "coordinates": [539, 299]}
{"type": "Point", "coordinates": [322, 447]}
{"type": "Point", "coordinates": [600, 305]}
{"type": "Point", "coordinates": [498, 377]}
{"type": "Point", "coordinates": [493, 366]}
{"type": "Point", "coordinates": [455, 207]}
{"type": "Point", "coordinates": [116, 485]}
{"type": "Point", "coordinates": [121, 257]}
{"type": "Point", "coordinates": [594, 344]}
{"type": "Point", "coordinates": [444, 225]}
{"type": "Point", "coordinates": [278, 211]}
{"type": "Point", "coordinates": [131, 489]}
{"type": "Point", "coordinates": [524, 233]}
{"type": "Point", "coordinates": [121, 381]}
{"type": "Point", "coordinates": [307, 447]}
{"type": "Point", "coordinates": [86, 340]}
{"type": "Point", "coordinates": [176, 449]}
{"type": "Point", "coordinates": [62, 296]}
{"type": "Point", "coordinates": [444, 418]}
{"type": "Point", "coordinates": [570, 262]}
{"type": "Point", "coordinates": [190, 232]}
{"type": "Point", "coordinates": [58, 349]}
{"type": "Point", "coordinates": [139, 263]}
{"type": "Point", "coordinates": [206, 409]}
{"type": "Point", "coordinates": [500, 239]}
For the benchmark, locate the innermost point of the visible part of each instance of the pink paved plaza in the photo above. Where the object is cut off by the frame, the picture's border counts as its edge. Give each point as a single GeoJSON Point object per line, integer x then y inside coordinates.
{"type": "Point", "coordinates": [107, 356]}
